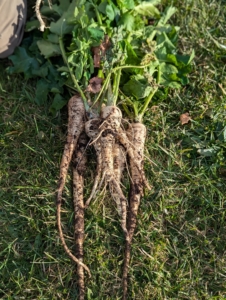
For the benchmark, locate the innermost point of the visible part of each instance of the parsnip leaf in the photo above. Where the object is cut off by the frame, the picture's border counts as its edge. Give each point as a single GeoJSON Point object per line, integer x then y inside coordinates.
{"type": "Point", "coordinates": [63, 26]}
{"type": "Point", "coordinates": [167, 15]}
{"type": "Point", "coordinates": [42, 90]}
{"type": "Point", "coordinates": [58, 103]}
{"type": "Point", "coordinates": [62, 7]}
{"type": "Point", "coordinates": [147, 9]}
{"type": "Point", "coordinates": [127, 21]}
{"type": "Point", "coordinates": [23, 63]}
{"type": "Point", "coordinates": [96, 34]}
{"type": "Point", "coordinates": [48, 49]}
{"type": "Point", "coordinates": [126, 4]}
{"type": "Point", "coordinates": [42, 71]}
{"type": "Point", "coordinates": [110, 12]}
{"type": "Point", "coordinates": [138, 87]}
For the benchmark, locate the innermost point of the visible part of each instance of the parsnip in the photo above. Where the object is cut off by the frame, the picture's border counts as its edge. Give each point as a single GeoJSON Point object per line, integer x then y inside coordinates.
{"type": "Point", "coordinates": [102, 133]}
{"type": "Point", "coordinates": [79, 160]}
{"type": "Point", "coordinates": [111, 116]}
{"type": "Point", "coordinates": [137, 134]}
{"type": "Point", "coordinates": [119, 160]}
{"type": "Point", "coordinates": [76, 117]}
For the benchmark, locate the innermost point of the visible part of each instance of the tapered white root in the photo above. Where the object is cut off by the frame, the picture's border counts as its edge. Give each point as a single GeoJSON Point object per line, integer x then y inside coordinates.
{"type": "Point", "coordinates": [101, 132]}
{"type": "Point", "coordinates": [123, 206]}
{"type": "Point", "coordinates": [112, 117]}
{"type": "Point", "coordinates": [76, 116]}
{"type": "Point", "coordinates": [115, 187]}
{"type": "Point", "coordinates": [137, 134]}
{"type": "Point", "coordinates": [119, 161]}
{"type": "Point", "coordinates": [79, 160]}
{"type": "Point", "coordinates": [130, 146]}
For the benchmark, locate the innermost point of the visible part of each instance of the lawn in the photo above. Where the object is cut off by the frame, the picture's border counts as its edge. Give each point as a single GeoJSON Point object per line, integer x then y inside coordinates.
{"type": "Point", "coordinates": [178, 251]}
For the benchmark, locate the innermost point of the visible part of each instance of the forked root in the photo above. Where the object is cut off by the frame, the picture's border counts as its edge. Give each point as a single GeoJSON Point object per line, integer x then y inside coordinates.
{"type": "Point", "coordinates": [102, 133]}
{"type": "Point", "coordinates": [113, 146]}
{"type": "Point", "coordinates": [76, 117]}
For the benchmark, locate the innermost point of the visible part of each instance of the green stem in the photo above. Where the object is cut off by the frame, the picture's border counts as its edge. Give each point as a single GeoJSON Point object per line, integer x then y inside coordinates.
{"type": "Point", "coordinates": [98, 15]}
{"type": "Point", "coordinates": [110, 96]}
{"type": "Point", "coordinates": [129, 114]}
{"type": "Point", "coordinates": [99, 20]}
{"type": "Point", "coordinates": [158, 75]}
{"type": "Point", "coordinates": [72, 75]}
{"type": "Point", "coordinates": [106, 82]}
{"type": "Point", "coordinates": [116, 86]}
{"type": "Point", "coordinates": [125, 106]}
{"type": "Point", "coordinates": [127, 98]}
{"type": "Point", "coordinates": [152, 35]}
{"type": "Point", "coordinates": [131, 66]}
{"type": "Point", "coordinates": [117, 80]}
{"type": "Point", "coordinates": [148, 99]}
{"type": "Point", "coordinates": [146, 103]}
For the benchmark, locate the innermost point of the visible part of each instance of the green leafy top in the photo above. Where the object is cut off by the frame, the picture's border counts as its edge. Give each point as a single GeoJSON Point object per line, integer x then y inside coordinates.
{"type": "Point", "coordinates": [129, 44]}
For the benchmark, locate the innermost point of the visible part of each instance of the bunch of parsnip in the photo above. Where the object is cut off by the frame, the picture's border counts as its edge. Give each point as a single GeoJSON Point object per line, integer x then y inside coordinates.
{"type": "Point", "coordinates": [120, 55]}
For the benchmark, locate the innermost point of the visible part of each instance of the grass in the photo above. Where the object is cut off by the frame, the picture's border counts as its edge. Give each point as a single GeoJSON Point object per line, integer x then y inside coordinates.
{"type": "Point", "coordinates": [179, 246]}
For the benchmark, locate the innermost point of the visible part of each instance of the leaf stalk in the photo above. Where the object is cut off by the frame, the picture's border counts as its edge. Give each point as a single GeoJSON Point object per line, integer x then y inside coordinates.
{"type": "Point", "coordinates": [72, 75]}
